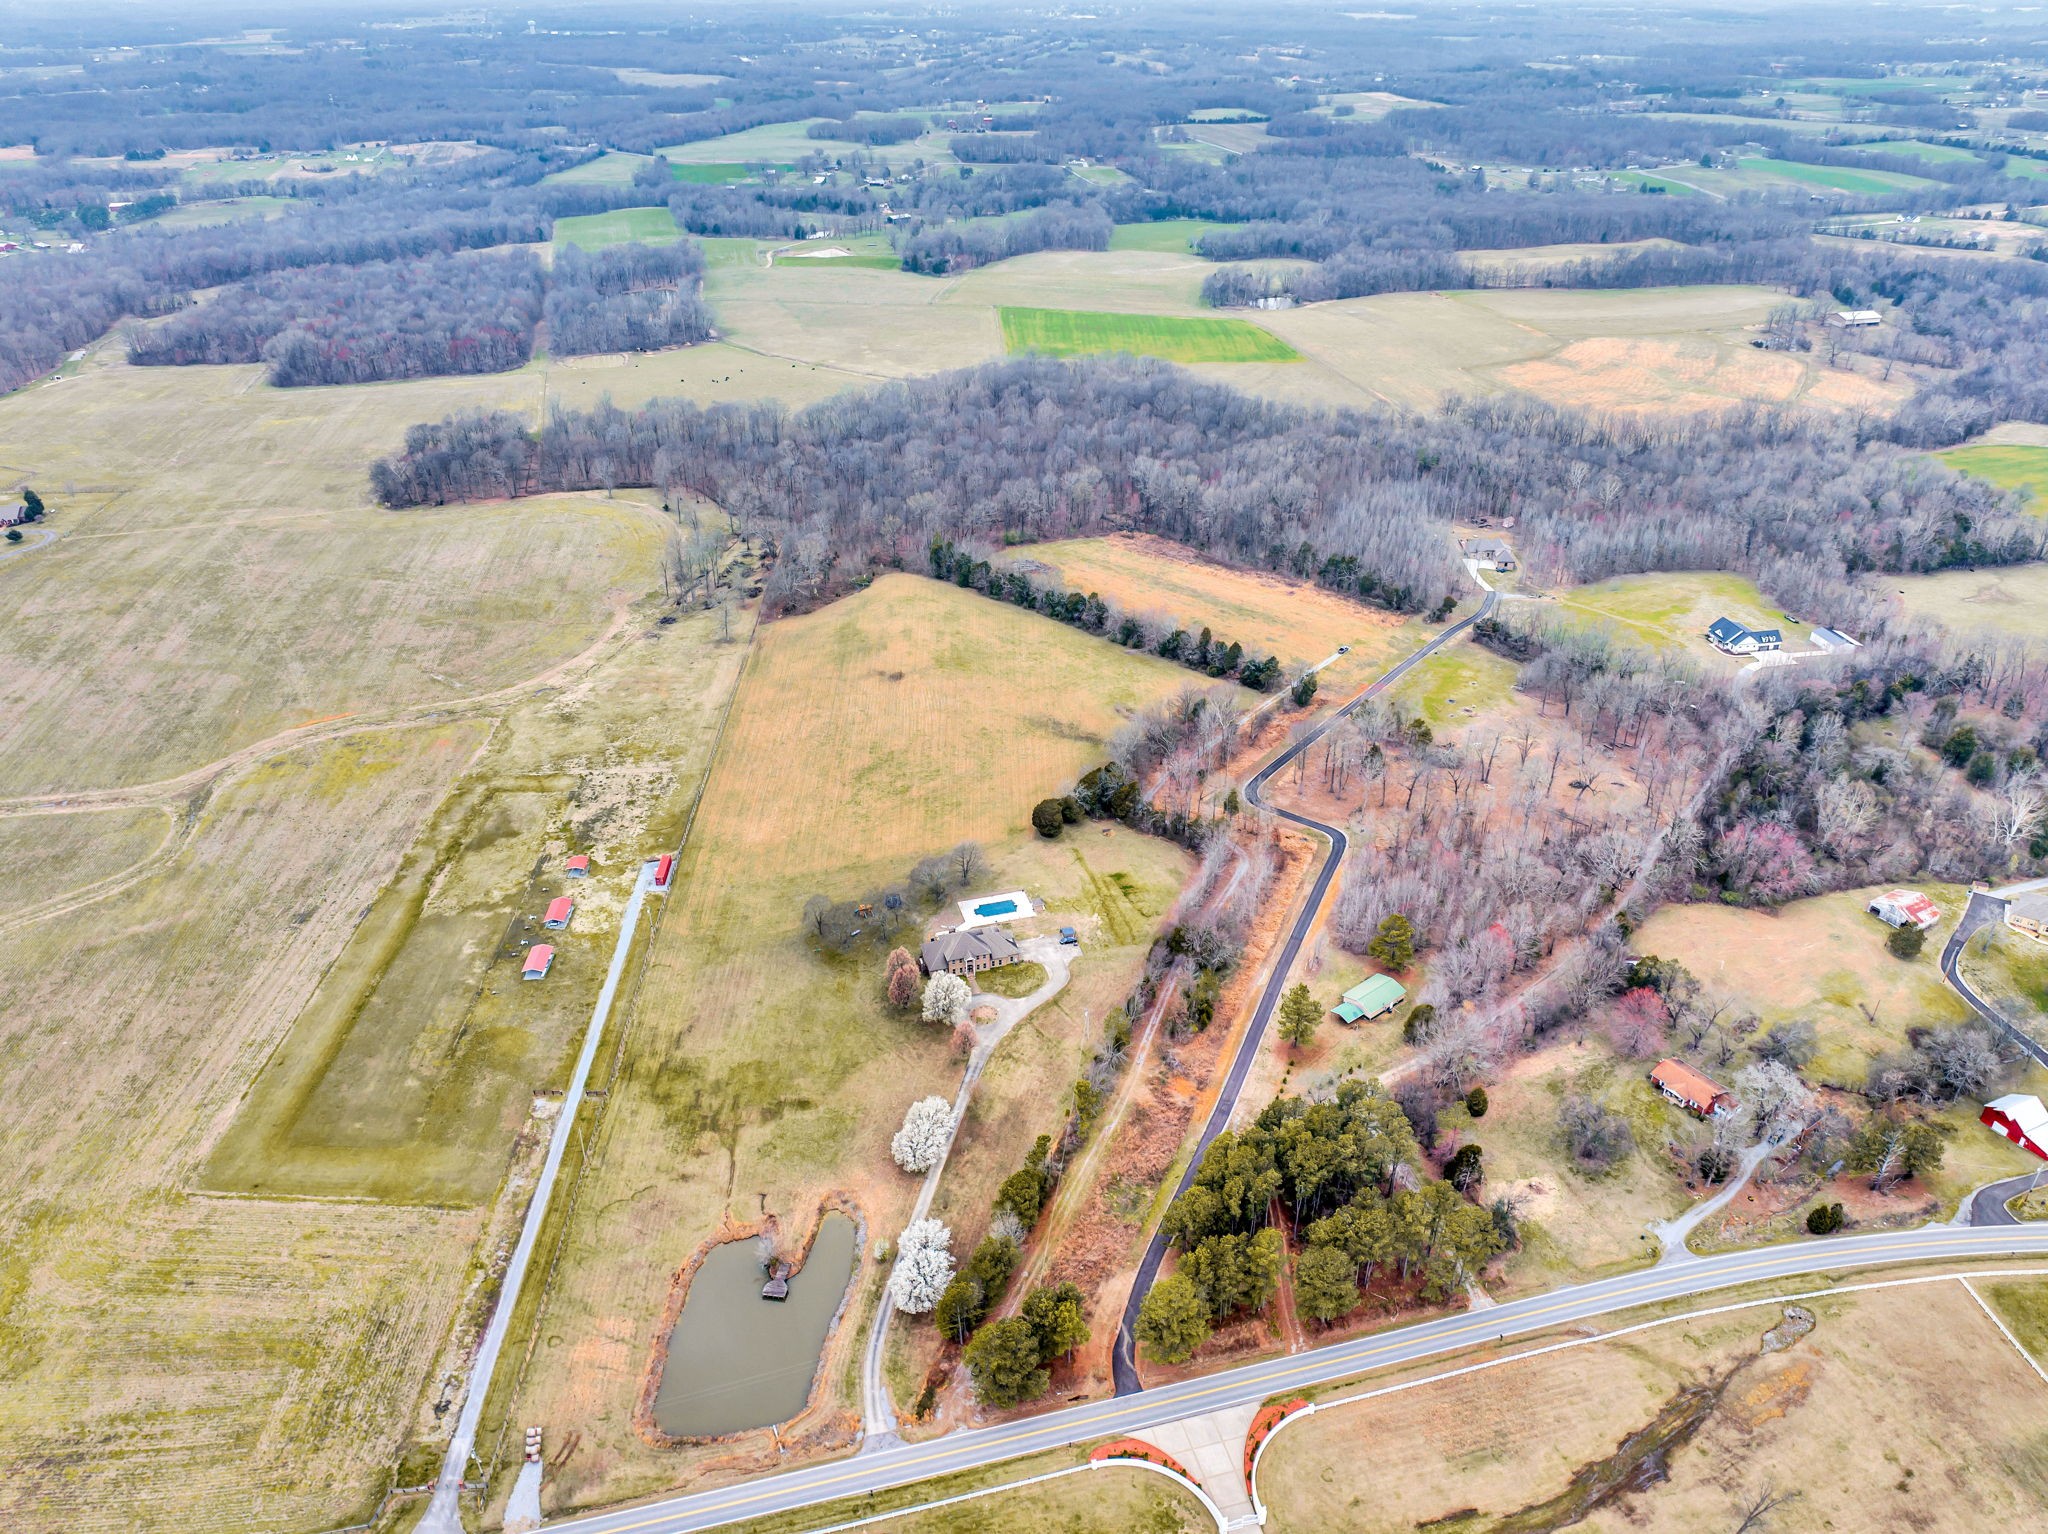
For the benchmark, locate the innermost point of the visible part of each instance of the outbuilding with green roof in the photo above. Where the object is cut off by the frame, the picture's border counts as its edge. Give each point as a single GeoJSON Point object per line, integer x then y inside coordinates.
{"type": "Point", "coordinates": [1374, 996]}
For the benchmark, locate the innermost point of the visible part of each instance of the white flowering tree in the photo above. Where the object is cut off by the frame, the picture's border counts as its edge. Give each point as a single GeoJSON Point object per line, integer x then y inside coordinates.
{"type": "Point", "coordinates": [945, 1000]}
{"type": "Point", "coordinates": [924, 1266]}
{"type": "Point", "coordinates": [927, 1127]}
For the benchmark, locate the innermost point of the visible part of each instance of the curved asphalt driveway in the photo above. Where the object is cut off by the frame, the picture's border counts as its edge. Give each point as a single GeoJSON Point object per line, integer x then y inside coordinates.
{"type": "Point", "coordinates": [1123, 1359]}
{"type": "Point", "coordinates": [901, 1464]}
{"type": "Point", "coordinates": [1984, 910]}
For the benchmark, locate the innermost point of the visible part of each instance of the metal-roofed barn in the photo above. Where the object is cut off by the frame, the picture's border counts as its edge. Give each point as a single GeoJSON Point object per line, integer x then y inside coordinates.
{"type": "Point", "coordinates": [1374, 996]}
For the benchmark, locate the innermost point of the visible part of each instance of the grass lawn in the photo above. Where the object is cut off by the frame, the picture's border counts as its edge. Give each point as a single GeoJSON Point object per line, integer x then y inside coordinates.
{"type": "Point", "coordinates": [1019, 979]}
{"type": "Point", "coordinates": [1917, 149]}
{"type": "Point", "coordinates": [1103, 1501]}
{"type": "Point", "coordinates": [621, 226]}
{"type": "Point", "coordinates": [1670, 610]}
{"type": "Point", "coordinates": [1456, 685]}
{"type": "Point", "coordinates": [1858, 183]}
{"type": "Point", "coordinates": [1173, 235]}
{"type": "Point", "coordinates": [713, 174]}
{"type": "Point", "coordinates": [2008, 466]}
{"type": "Point", "coordinates": [200, 215]}
{"type": "Point", "coordinates": [2011, 599]}
{"type": "Point", "coordinates": [758, 1075]}
{"type": "Point", "coordinates": [769, 144]}
{"type": "Point", "coordinates": [1576, 1224]}
{"type": "Point", "coordinates": [1082, 332]}
{"type": "Point", "coordinates": [1884, 1417]}
{"type": "Point", "coordinates": [2023, 1306]}
{"type": "Point", "coordinates": [1099, 175]}
{"type": "Point", "coordinates": [613, 168]}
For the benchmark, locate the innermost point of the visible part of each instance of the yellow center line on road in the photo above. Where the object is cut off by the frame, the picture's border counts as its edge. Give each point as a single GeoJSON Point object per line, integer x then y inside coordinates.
{"type": "Point", "coordinates": [1053, 1429]}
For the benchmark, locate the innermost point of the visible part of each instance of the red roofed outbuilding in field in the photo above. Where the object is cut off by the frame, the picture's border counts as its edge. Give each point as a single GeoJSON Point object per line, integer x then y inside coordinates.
{"type": "Point", "coordinates": [538, 958]}
{"type": "Point", "coordinates": [1905, 908]}
{"type": "Point", "coordinates": [578, 867]}
{"type": "Point", "coordinates": [560, 909]}
{"type": "Point", "coordinates": [2021, 1119]}
{"type": "Point", "coordinates": [663, 869]}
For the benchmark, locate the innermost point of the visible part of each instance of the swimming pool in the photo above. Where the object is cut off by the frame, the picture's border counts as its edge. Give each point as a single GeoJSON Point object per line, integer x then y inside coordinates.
{"type": "Point", "coordinates": [995, 908]}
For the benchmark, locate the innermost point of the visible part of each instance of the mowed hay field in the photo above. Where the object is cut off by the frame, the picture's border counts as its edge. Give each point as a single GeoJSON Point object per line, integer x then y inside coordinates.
{"type": "Point", "coordinates": [1267, 614]}
{"type": "Point", "coordinates": [2010, 599]}
{"type": "Point", "coordinates": [296, 680]}
{"type": "Point", "coordinates": [173, 1361]}
{"type": "Point", "coordinates": [221, 576]}
{"type": "Point", "coordinates": [1081, 333]}
{"type": "Point", "coordinates": [759, 1076]}
{"type": "Point", "coordinates": [1903, 1409]}
{"type": "Point", "coordinates": [1634, 350]}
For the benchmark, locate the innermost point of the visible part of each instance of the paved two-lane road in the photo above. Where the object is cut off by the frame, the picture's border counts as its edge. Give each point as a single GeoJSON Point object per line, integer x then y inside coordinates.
{"type": "Point", "coordinates": [905, 1463]}
{"type": "Point", "coordinates": [1123, 1359]}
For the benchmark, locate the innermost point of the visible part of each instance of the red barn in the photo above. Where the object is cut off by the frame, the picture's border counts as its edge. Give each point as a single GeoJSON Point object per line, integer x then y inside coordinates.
{"type": "Point", "coordinates": [2021, 1119]}
{"type": "Point", "coordinates": [538, 958]}
{"type": "Point", "coordinates": [560, 909]}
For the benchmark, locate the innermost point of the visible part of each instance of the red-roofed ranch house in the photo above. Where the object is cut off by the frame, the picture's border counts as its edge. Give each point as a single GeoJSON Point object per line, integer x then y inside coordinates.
{"type": "Point", "coordinates": [1689, 1089]}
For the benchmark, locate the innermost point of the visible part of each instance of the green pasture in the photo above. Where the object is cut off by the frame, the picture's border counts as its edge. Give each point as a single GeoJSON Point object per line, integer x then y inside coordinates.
{"type": "Point", "coordinates": [2009, 467]}
{"type": "Point", "coordinates": [621, 226]}
{"type": "Point", "coordinates": [1082, 332]}
{"type": "Point", "coordinates": [1174, 236]}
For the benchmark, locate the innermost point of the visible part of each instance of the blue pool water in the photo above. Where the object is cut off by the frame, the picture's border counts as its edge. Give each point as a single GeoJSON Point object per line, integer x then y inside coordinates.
{"type": "Point", "coordinates": [996, 908]}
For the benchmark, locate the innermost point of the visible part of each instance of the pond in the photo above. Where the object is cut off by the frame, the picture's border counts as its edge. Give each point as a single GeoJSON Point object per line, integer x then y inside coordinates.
{"type": "Point", "coordinates": [737, 1361]}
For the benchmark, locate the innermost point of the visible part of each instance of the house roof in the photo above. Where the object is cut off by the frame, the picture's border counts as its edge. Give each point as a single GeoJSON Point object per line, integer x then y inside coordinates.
{"type": "Point", "coordinates": [2026, 1111]}
{"type": "Point", "coordinates": [1376, 993]}
{"type": "Point", "coordinates": [1687, 1084]}
{"type": "Point", "coordinates": [1726, 629]}
{"type": "Point", "coordinates": [1913, 904]}
{"type": "Point", "coordinates": [1348, 1011]}
{"type": "Point", "coordinates": [581, 860]}
{"type": "Point", "coordinates": [538, 958]}
{"type": "Point", "coordinates": [1770, 634]}
{"type": "Point", "coordinates": [948, 948]}
{"type": "Point", "coordinates": [561, 908]}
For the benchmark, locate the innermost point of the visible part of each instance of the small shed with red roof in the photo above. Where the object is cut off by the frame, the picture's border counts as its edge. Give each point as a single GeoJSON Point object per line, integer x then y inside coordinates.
{"type": "Point", "coordinates": [663, 869]}
{"type": "Point", "coordinates": [560, 909]}
{"type": "Point", "coordinates": [538, 958]}
{"type": "Point", "coordinates": [578, 867]}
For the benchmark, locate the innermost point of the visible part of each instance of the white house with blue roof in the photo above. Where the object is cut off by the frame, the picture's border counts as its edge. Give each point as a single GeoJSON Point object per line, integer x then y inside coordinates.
{"type": "Point", "coordinates": [1733, 638]}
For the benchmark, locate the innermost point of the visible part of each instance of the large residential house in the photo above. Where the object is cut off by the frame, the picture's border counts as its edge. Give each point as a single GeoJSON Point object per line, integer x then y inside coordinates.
{"type": "Point", "coordinates": [1733, 638]}
{"type": "Point", "coordinates": [967, 953]}
{"type": "Point", "coordinates": [1490, 552]}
